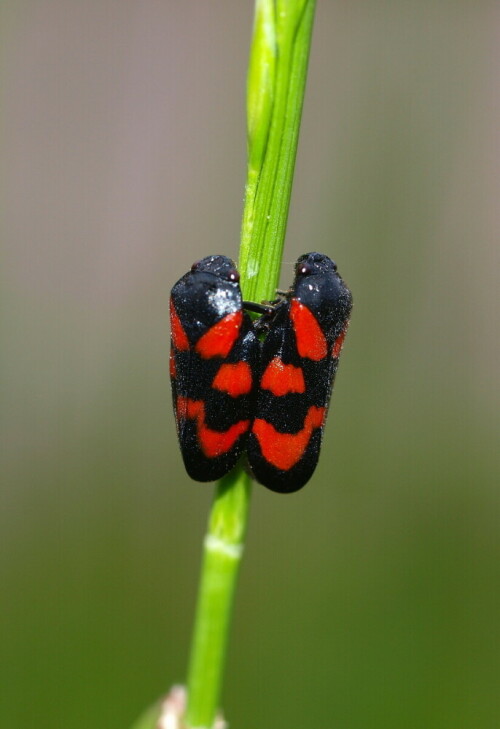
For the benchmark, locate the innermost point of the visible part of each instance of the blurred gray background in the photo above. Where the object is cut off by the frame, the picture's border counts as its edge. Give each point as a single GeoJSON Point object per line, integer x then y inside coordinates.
{"type": "Point", "coordinates": [369, 599]}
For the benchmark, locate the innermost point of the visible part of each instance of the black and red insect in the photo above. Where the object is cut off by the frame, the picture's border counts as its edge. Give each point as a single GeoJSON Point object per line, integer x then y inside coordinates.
{"type": "Point", "coordinates": [233, 393]}
{"type": "Point", "coordinates": [214, 360]}
{"type": "Point", "coordinates": [299, 360]}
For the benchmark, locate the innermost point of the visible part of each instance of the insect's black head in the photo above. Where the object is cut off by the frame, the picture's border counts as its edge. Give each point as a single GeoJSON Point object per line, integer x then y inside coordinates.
{"type": "Point", "coordinates": [221, 266]}
{"type": "Point", "coordinates": [319, 286]}
{"type": "Point", "coordinates": [207, 293]}
{"type": "Point", "coordinates": [314, 263]}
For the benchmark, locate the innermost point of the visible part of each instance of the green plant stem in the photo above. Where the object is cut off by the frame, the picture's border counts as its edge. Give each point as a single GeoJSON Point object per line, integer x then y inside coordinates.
{"type": "Point", "coordinates": [223, 549]}
{"type": "Point", "coordinates": [282, 39]}
{"type": "Point", "coordinates": [276, 83]}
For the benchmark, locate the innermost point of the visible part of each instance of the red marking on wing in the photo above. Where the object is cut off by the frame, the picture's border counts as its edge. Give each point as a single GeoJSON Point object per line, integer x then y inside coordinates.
{"type": "Point", "coordinates": [281, 378]}
{"type": "Point", "coordinates": [212, 442]}
{"type": "Point", "coordinates": [235, 379]}
{"type": "Point", "coordinates": [179, 337]}
{"type": "Point", "coordinates": [338, 343]}
{"type": "Point", "coordinates": [284, 450]}
{"type": "Point", "coordinates": [173, 367]}
{"type": "Point", "coordinates": [311, 342]}
{"type": "Point", "coordinates": [220, 338]}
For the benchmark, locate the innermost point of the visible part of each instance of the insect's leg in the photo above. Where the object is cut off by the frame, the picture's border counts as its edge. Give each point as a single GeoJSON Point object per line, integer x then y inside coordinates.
{"type": "Point", "coordinates": [264, 308]}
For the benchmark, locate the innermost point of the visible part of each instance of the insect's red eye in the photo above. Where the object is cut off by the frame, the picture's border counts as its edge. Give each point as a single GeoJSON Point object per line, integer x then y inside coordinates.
{"type": "Point", "coordinates": [304, 269]}
{"type": "Point", "coordinates": [195, 266]}
{"type": "Point", "coordinates": [233, 275]}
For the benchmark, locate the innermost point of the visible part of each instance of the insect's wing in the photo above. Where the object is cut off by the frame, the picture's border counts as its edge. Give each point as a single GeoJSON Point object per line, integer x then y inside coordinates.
{"type": "Point", "coordinates": [214, 355]}
{"type": "Point", "coordinates": [299, 361]}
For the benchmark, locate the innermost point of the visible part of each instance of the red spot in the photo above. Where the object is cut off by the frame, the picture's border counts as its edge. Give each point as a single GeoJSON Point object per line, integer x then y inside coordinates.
{"type": "Point", "coordinates": [213, 443]}
{"type": "Point", "coordinates": [179, 337]}
{"type": "Point", "coordinates": [281, 378]}
{"type": "Point", "coordinates": [220, 338]}
{"type": "Point", "coordinates": [235, 379]}
{"type": "Point", "coordinates": [337, 345]}
{"type": "Point", "coordinates": [311, 342]}
{"type": "Point", "coordinates": [284, 450]}
{"type": "Point", "coordinates": [173, 368]}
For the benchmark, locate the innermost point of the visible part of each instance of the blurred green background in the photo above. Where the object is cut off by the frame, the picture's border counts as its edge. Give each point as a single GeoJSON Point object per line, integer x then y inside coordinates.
{"type": "Point", "coordinates": [369, 599]}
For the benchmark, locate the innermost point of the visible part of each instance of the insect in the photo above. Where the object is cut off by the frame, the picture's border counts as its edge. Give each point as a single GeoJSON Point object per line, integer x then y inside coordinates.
{"type": "Point", "coordinates": [233, 393]}
{"type": "Point", "coordinates": [214, 361]}
{"type": "Point", "coordinates": [299, 360]}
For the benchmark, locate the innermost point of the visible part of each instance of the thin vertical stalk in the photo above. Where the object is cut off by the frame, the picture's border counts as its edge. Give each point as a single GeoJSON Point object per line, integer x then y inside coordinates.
{"type": "Point", "coordinates": [275, 93]}
{"type": "Point", "coordinates": [222, 552]}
